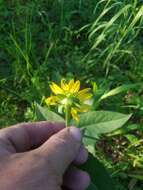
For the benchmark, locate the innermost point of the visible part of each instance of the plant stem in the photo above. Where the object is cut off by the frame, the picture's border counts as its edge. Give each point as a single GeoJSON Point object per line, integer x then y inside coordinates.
{"type": "Point", "coordinates": [67, 115]}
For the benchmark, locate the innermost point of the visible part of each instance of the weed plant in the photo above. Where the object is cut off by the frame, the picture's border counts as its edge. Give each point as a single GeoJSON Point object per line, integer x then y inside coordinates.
{"type": "Point", "coordinates": [92, 40]}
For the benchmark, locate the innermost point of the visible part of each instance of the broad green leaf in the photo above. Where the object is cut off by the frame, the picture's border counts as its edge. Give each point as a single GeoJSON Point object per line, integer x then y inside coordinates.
{"type": "Point", "coordinates": [100, 179]}
{"type": "Point", "coordinates": [43, 113]}
{"type": "Point", "coordinates": [101, 122]}
{"type": "Point", "coordinates": [132, 138]}
{"type": "Point", "coordinates": [125, 130]}
{"type": "Point", "coordinates": [118, 90]}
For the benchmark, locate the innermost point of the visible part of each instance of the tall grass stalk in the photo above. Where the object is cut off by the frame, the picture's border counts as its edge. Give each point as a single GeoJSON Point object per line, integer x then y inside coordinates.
{"type": "Point", "coordinates": [115, 26]}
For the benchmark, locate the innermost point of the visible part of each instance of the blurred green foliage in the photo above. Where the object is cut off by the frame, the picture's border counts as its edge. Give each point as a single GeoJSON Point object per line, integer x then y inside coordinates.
{"type": "Point", "coordinates": [95, 41]}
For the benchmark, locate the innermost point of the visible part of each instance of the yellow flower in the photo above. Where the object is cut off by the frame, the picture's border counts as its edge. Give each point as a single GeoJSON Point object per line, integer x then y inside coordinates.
{"type": "Point", "coordinates": [68, 95]}
{"type": "Point", "coordinates": [51, 100]}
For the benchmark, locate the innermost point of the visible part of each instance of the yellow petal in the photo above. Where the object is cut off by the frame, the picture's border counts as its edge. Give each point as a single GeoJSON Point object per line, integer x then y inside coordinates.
{"type": "Point", "coordinates": [56, 89]}
{"type": "Point", "coordinates": [75, 88]}
{"type": "Point", "coordinates": [82, 94]}
{"type": "Point", "coordinates": [52, 100]}
{"type": "Point", "coordinates": [82, 97]}
{"type": "Point", "coordinates": [64, 86]}
{"type": "Point", "coordinates": [84, 108]}
{"type": "Point", "coordinates": [84, 91]}
{"type": "Point", "coordinates": [74, 114]}
{"type": "Point", "coordinates": [71, 83]}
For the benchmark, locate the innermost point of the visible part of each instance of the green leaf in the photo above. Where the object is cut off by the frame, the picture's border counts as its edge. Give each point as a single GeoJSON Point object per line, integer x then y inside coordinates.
{"type": "Point", "coordinates": [125, 130]}
{"type": "Point", "coordinates": [100, 179]}
{"type": "Point", "coordinates": [132, 138]}
{"type": "Point", "coordinates": [118, 90]}
{"type": "Point", "coordinates": [43, 113]}
{"type": "Point", "coordinates": [101, 122]}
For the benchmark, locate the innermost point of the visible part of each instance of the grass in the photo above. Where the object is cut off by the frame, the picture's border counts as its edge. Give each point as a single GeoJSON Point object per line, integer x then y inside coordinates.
{"type": "Point", "coordinates": [90, 40]}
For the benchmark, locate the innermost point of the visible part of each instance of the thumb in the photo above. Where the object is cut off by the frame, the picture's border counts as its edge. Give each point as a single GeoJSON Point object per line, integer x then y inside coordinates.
{"type": "Point", "coordinates": [61, 149]}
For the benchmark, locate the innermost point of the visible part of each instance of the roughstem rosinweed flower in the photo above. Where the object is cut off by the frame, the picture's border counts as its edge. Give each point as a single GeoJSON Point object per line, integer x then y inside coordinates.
{"type": "Point", "coordinates": [69, 99]}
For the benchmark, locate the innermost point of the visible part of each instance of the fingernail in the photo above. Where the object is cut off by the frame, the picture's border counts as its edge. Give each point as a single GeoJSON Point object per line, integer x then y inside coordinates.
{"type": "Point", "coordinates": [76, 133]}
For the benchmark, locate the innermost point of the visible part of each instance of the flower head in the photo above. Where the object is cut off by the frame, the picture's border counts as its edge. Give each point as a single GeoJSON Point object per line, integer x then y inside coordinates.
{"type": "Point", "coordinates": [69, 97]}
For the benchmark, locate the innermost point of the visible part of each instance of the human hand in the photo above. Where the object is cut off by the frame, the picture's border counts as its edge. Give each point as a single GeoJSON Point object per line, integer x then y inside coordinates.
{"type": "Point", "coordinates": [41, 156]}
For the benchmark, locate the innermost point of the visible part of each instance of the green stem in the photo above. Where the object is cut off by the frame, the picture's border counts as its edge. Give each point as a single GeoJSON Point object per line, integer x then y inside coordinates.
{"type": "Point", "coordinates": [67, 115]}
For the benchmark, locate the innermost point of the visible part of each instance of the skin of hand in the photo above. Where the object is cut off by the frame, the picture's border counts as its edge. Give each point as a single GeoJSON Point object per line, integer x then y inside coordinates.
{"type": "Point", "coordinates": [42, 156]}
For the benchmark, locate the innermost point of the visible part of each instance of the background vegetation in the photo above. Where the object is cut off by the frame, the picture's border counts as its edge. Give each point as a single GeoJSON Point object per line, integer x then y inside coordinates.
{"type": "Point", "coordinates": [90, 40]}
